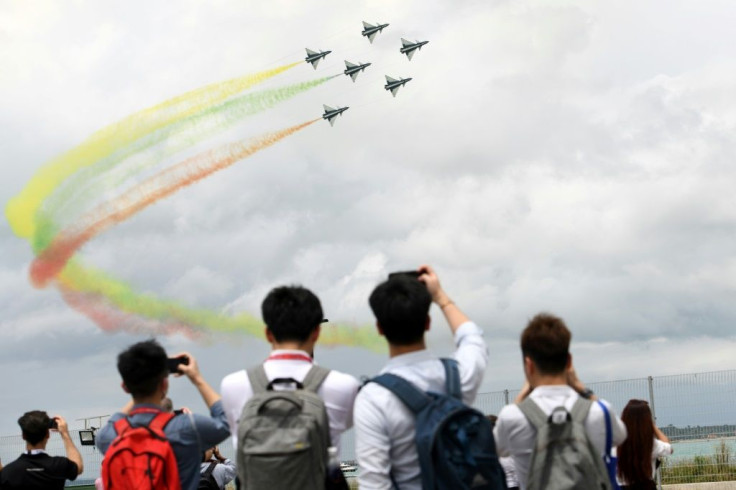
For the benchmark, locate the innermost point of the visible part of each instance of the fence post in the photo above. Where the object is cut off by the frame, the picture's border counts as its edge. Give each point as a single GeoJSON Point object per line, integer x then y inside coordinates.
{"type": "Point", "coordinates": [650, 382]}
{"type": "Point", "coordinates": [506, 397]}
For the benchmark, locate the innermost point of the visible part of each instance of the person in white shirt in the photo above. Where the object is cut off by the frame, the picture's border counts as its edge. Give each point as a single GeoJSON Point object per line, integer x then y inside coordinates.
{"type": "Point", "coordinates": [223, 471]}
{"type": "Point", "coordinates": [551, 382]}
{"type": "Point", "coordinates": [637, 456]}
{"type": "Point", "coordinates": [384, 426]}
{"type": "Point", "coordinates": [293, 316]}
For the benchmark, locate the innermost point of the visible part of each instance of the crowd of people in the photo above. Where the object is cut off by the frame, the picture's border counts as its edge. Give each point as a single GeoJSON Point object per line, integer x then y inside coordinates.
{"type": "Point", "coordinates": [287, 414]}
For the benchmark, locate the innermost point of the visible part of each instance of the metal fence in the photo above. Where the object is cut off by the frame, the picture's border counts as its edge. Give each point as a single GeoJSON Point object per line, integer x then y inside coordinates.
{"type": "Point", "coordinates": [696, 411]}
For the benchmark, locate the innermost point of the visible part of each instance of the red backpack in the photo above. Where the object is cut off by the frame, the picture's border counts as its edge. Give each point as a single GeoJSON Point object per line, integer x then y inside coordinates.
{"type": "Point", "coordinates": [141, 457]}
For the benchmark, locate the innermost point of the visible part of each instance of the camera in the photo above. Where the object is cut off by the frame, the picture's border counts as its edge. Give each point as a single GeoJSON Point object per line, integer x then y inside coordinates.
{"type": "Point", "coordinates": [53, 424]}
{"type": "Point", "coordinates": [174, 363]}
{"type": "Point", "coordinates": [410, 274]}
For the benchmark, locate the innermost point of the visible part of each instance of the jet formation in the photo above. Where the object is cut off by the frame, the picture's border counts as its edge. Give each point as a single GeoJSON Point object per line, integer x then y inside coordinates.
{"type": "Point", "coordinates": [352, 70]}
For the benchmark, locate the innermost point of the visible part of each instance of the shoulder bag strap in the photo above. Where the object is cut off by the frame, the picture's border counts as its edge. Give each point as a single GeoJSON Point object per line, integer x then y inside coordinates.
{"type": "Point", "coordinates": [258, 379]}
{"type": "Point", "coordinates": [404, 390]}
{"type": "Point", "coordinates": [533, 413]}
{"type": "Point", "coordinates": [452, 378]}
{"type": "Point", "coordinates": [580, 410]}
{"type": "Point", "coordinates": [314, 378]}
{"type": "Point", "coordinates": [209, 470]}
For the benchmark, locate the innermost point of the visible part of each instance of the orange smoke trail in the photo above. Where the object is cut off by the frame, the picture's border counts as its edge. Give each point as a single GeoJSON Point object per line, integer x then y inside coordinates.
{"type": "Point", "coordinates": [54, 258]}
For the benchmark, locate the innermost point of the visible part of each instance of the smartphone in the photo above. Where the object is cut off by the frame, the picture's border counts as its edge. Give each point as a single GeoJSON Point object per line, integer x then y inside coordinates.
{"type": "Point", "coordinates": [53, 424]}
{"type": "Point", "coordinates": [412, 274]}
{"type": "Point", "coordinates": [174, 363]}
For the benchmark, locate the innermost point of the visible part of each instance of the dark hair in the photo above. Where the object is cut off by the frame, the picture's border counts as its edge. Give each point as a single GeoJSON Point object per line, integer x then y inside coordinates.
{"type": "Point", "coordinates": [143, 366]}
{"type": "Point", "coordinates": [291, 313]}
{"type": "Point", "coordinates": [401, 306]}
{"type": "Point", "coordinates": [35, 426]}
{"type": "Point", "coordinates": [635, 453]}
{"type": "Point", "coordinates": [546, 340]}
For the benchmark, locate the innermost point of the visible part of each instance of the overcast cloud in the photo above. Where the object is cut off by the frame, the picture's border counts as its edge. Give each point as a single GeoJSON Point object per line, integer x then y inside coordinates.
{"type": "Point", "coordinates": [568, 156]}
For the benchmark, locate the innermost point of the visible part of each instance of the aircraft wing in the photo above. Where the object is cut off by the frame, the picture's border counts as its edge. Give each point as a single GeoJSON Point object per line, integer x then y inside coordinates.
{"type": "Point", "coordinates": [390, 80]}
{"type": "Point", "coordinates": [310, 52]}
{"type": "Point", "coordinates": [405, 42]}
{"type": "Point", "coordinates": [332, 120]}
{"type": "Point", "coordinates": [327, 108]}
{"type": "Point", "coordinates": [315, 63]}
{"type": "Point", "coordinates": [349, 64]}
{"type": "Point", "coordinates": [410, 54]}
{"type": "Point", "coordinates": [354, 75]}
{"type": "Point", "coordinates": [371, 36]}
{"type": "Point", "coordinates": [367, 25]}
{"type": "Point", "coordinates": [394, 90]}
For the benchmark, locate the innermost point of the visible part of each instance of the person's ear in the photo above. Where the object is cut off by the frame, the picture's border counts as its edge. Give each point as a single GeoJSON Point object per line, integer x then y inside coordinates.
{"type": "Point", "coordinates": [568, 366]}
{"type": "Point", "coordinates": [380, 330]}
{"type": "Point", "coordinates": [269, 335]}
{"type": "Point", "coordinates": [529, 367]}
{"type": "Point", "coordinates": [164, 387]}
{"type": "Point", "coordinates": [427, 323]}
{"type": "Point", "coordinates": [315, 334]}
{"type": "Point", "coordinates": [125, 388]}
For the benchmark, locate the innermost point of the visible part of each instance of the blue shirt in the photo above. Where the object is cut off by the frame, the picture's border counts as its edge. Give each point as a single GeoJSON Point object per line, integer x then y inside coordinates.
{"type": "Point", "coordinates": [189, 435]}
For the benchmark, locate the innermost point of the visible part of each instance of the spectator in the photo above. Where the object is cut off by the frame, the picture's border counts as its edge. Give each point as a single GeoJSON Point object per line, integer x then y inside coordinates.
{"type": "Point", "coordinates": [637, 456]}
{"type": "Point", "coordinates": [224, 469]}
{"type": "Point", "coordinates": [507, 463]}
{"type": "Point", "coordinates": [293, 316]}
{"type": "Point", "coordinates": [168, 406]}
{"type": "Point", "coordinates": [143, 367]}
{"type": "Point", "coordinates": [384, 426]}
{"type": "Point", "coordinates": [35, 469]}
{"type": "Point", "coordinates": [551, 382]}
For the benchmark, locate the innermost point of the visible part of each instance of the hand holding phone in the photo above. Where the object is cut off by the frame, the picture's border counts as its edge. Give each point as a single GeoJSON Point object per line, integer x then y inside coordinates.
{"type": "Point", "coordinates": [410, 274]}
{"type": "Point", "coordinates": [175, 362]}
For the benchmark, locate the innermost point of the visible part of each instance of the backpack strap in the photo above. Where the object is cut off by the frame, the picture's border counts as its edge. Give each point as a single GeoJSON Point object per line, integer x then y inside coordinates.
{"type": "Point", "coordinates": [580, 410]}
{"type": "Point", "coordinates": [258, 379]}
{"type": "Point", "coordinates": [159, 422]}
{"type": "Point", "coordinates": [452, 378]}
{"type": "Point", "coordinates": [209, 470]}
{"type": "Point", "coordinates": [533, 413]}
{"type": "Point", "coordinates": [122, 425]}
{"type": "Point", "coordinates": [404, 390]}
{"type": "Point", "coordinates": [314, 378]}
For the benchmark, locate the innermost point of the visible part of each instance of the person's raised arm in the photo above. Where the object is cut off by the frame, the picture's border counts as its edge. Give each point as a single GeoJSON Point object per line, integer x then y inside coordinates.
{"type": "Point", "coordinates": [454, 316]}
{"type": "Point", "coordinates": [659, 434]}
{"type": "Point", "coordinates": [191, 371]}
{"type": "Point", "coordinates": [72, 453]}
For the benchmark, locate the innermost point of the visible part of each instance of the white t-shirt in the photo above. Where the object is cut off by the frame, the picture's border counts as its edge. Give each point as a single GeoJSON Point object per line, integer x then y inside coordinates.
{"type": "Point", "coordinates": [516, 436]}
{"type": "Point", "coordinates": [337, 391]}
{"type": "Point", "coordinates": [659, 449]}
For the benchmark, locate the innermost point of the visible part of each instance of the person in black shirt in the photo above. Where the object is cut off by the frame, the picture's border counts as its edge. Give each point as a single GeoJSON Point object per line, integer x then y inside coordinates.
{"type": "Point", "coordinates": [35, 469]}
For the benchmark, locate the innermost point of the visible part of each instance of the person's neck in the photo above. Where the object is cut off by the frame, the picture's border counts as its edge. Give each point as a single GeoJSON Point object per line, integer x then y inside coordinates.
{"type": "Point", "coordinates": [41, 445]}
{"type": "Point", "coordinates": [154, 399]}
{"type": "Point", "coordinates": [548, 379]}
{"type": "Point", "coordinates": [397, 350]}
{"type": "Point", "coordinates": [307, 347]}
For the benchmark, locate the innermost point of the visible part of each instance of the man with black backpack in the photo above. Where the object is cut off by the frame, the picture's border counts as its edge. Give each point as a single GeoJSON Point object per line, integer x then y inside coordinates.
{"type": "Point", "coordinates": [413, 426]}
{"type": "Point", "coordinates": [217, 471]}
{"type": "Point", "coordinates": [146, 447]}
{"type": "Point", "coordinates": [285, 413]}
{"type": "Point", "coordinates": [557, 430]}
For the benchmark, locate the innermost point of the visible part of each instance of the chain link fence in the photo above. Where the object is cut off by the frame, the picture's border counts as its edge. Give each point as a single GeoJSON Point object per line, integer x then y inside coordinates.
{"type": "Point", "coordinates": [696, 411]}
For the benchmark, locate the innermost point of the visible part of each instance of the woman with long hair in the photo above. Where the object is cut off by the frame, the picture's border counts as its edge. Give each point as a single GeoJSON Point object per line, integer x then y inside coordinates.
{"type": "Point", "coordinates": [645, 443]}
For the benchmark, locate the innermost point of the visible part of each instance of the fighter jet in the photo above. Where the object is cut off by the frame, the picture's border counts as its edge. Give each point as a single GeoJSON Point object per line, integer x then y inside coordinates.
{"type": "Point", "coordinates": [313, 57]}
{"type": "Point", "coordinates": [393, 85]}
{"type": "Point", "coordinates": [353, 69]}
{"type": "Point", "coordinates": [370, 31]}
{"type": "Point", "coordinates": [332, 113]}
{"type": "Point", "coordinates": [409, 47]}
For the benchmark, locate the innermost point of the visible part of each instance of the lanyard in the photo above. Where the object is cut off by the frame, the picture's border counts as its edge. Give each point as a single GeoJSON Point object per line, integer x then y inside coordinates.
{"type": "Point", "coordinates": [289, 357]}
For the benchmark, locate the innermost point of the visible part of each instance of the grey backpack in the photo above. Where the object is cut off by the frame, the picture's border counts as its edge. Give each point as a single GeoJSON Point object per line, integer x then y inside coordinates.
{"type": "Point", "coordinates": [563, 456]}
{"type": "Point", "coordinates": [283, 435]}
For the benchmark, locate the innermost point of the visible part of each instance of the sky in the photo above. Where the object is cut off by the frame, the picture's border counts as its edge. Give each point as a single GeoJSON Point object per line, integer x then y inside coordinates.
{"type": "Point", "coordinates": [565, 156]}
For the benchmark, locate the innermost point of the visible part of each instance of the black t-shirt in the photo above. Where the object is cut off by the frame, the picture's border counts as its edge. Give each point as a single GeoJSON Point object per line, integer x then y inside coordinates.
{"type": "Point", "coordinates": [38, 471]}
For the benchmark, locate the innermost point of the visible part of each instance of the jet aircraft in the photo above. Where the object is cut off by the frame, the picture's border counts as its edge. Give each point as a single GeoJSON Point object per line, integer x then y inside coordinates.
{"type": "Point", "coordinates": [370, 31]}
{"type": "Point", "coordinates": [352, 69]}
{"type": "Point", "coordinates": [331, 113]}
{"type": "Point", "coordinates": [314, 57]}
{"type": "Point", "coordinates": [408, 47]}
{"type": "Point", "coordinates": [393, 85]}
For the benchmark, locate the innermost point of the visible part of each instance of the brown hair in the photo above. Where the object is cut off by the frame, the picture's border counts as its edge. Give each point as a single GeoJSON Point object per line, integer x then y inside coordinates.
{"type": "Point", "coordinates": [546, 340]}
{"type": "Point", "coordinates": [635, 453]}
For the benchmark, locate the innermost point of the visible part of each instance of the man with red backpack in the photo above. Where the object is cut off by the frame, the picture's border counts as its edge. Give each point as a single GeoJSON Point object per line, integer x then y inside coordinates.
{"type": "Point", "coordinates": [147, 448]}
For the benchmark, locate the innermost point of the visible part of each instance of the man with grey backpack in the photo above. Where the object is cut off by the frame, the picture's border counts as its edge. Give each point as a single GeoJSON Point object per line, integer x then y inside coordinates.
{"type": "Point", "coordinates": [557, 431]}
{"type": "Point", "coordinates": [285, 413]}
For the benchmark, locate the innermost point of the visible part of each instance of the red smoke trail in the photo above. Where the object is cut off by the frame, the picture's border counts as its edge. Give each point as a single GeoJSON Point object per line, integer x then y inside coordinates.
{"type": "Point", "coordinates": [53, 259]}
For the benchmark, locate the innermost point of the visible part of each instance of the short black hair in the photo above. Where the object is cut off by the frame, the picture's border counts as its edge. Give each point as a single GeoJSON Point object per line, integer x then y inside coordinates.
{"type": "Point", "coordinates": [35, 426]}
{"type": "Point", "coordinates": [546, 341]}
{"type": "Point", "coordinates": [291, 313]}
{"type": "Point", "coordinates": [401, 306]}
{"type": "Point", "coordinates": [143, 366]}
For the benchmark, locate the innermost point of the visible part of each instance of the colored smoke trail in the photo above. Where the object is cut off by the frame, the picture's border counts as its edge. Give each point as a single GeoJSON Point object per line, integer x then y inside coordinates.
{"type": "Point", "coordinates": [22, 209]}
{"type": "Point", "coordinates": [111, 172]}
{"type": "Point", "coordinates": [53, 259]}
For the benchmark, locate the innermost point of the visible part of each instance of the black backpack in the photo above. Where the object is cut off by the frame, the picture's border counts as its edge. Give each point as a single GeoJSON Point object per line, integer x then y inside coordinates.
{"type": "Point", "coordinates": [454, 441]}
{"type": "Point", "coordinates": [207, 481]}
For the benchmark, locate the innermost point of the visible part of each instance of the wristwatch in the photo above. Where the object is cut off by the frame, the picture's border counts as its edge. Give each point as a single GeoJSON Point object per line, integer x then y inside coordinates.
{"type": "Point", "coordinates": [586, 393]}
